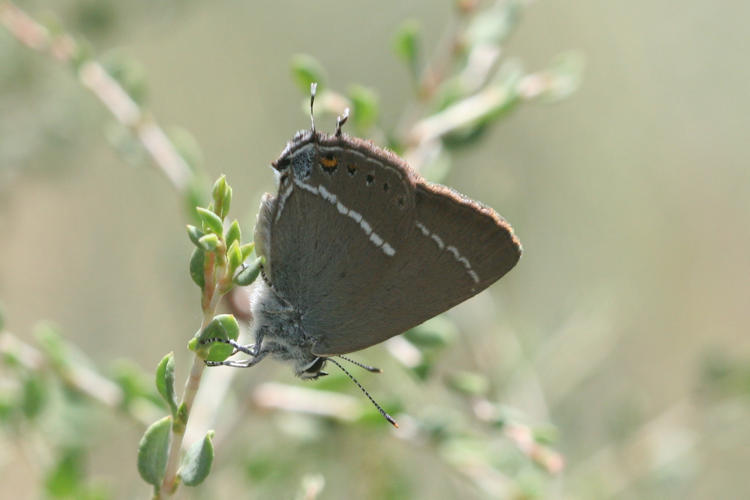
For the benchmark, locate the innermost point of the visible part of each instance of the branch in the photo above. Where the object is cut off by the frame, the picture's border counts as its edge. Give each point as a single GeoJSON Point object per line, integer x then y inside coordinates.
{"type": "Point", "coordinates": [94, 77]}
{"type": "Point", "coordinates": [76, 377]}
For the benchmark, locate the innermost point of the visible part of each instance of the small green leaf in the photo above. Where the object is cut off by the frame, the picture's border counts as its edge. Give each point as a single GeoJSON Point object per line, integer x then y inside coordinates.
{"type": "Point", "coordinates": [152, 451]}
{"type": "Point", "coordinates": [219, 188]}
{"type": "Point", "coordinates": [436, 332]}
{"type": "Point", "coordinates": [180, 420]}
{"type": "Point", "coordinates": [224, 327]}
{"type": "Point", "coordinates": [234, 255]}
{"type": "Point", "coordinates": [365, 104]}
{"type": "Point", "coordinates": [211, 222]}
{"type": "Point", "coordinates": [196, 267]}
{"type": "Point", "coordinates": [494, 25]}
{"type": "Point", "coordinates": [469, 383]}
{"type": "Point", "coordinates": [195, 196]}
{"type": "Point", "coordinates": [247, 249]}
{"type": "Point", "coordinates": [233, 234]}
{"type": "Point", "coordinates": [565, 75]}
{"type": "Point", "coordinates": [165, 381]}
{"type": "Point", "coordinates": [65, 479]}
{"type": "Point", "coordinates": [197, 461]}
{"type": "Point", "coordinates": [82, 54]}
{"type": "Point", "coordinates": [546, 434]}
{"type": "Point", "coordinates": [129, 73]}
{"type": "Point", "coordinates": [208, 242]}
{"type": "Point", "coordinates": [194, 234]}
{"type": "Point", "coordinates": [134, 382]}
{"type": "Point", "coordinates": [406, 44]}
{"type": "Point", "coordinates": [34, 396]}
{"type": "Point", "coordinates": [222, 196]}
{"type": "Point", "coordinates": [307, 70]}
{"type": "Point", "coordinates": [250, 273]}
{"type": "Point", "coordinates": [53, 345]}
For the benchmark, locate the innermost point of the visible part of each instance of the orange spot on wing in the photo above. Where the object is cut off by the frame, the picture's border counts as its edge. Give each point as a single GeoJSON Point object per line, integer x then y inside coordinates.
{"type": "Point", "coordinates": [328, 161]}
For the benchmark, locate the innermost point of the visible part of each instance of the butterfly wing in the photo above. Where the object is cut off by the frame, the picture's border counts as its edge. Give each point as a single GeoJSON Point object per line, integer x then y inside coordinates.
{"type": "Point", "coordinates": [365, 249]}
{"type": "Point", "coordinates": [455, 250]}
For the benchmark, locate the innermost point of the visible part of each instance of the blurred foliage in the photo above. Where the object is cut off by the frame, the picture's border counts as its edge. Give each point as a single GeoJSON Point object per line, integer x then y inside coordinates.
{"type": "Point", "coordinates": [53, 398]}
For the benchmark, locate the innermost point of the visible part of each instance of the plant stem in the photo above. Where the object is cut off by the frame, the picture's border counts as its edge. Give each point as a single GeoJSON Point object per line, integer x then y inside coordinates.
{"type": "Point", "coordinates": [209, 303]}
{"type": "Point", "coordinates": [92, 75]}
{"type": "Point", "coordinates": [169, 484]}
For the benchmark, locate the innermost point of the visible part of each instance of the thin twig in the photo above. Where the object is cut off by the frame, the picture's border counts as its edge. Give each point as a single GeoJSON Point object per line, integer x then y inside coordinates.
{"type": "Point", "coordinates": [94, 77]}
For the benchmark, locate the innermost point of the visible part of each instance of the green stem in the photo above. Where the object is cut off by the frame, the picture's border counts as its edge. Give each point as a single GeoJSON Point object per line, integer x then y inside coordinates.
{"type": "Point", "coordinates": [209, 303]}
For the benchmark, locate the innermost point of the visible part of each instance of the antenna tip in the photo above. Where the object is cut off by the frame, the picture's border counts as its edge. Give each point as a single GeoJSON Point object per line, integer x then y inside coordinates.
{"type": "Point", "coordinates": [390, 419]}
{"type": "Point", "coordinates": [313, 88]}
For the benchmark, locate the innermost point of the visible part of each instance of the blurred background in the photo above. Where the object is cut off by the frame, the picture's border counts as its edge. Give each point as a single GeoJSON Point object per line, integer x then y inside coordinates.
{"type": "Point", "coordinates": [618, 346]}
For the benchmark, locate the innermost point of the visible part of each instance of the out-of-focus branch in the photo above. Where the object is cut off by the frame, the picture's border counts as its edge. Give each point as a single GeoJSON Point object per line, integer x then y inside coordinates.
{"type": "Point", "coordinates": [274, 396]}
{"type": "Point", "coordinates": [94, 77]}
{"type": "Point", "coordinates": [76, 377]}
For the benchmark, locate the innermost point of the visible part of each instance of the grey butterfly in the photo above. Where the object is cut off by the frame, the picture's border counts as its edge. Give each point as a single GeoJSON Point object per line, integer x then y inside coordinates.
{"type": "Point", "coordinates": [359, 248]}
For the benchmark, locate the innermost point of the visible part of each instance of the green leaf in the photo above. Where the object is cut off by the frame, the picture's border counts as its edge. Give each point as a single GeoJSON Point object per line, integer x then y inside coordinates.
{"type": "Point", "coordinates": [82, 54]}
{"type": "Point", "coordinates": [219, 189]}
{"type": "Point", "coordinates": [494, 25]}
{"type": "Point", "coordinates": [208, 242]}
{"type": "Point", "coordinates": [65, 479]}
{"type": "Point", "coordinates": [469, 383]}
{"type": "Point", "coordinates": [406, 44]}
{"type": "Point", "coordinates": [307, 70]}
{"type": "Point", "coordinates": [52, 343]}
{"type": "Point", "coordinates": [34, 396]}
{"type": "Point", "coordinates": [152, 451]}
{"type": "Point", "coordinates": [365, 104]}
{"type": "Point", "coordinates": [223, 326]}
{"type": "Point", "coordinates": [194, 234]}
{"type": "Point", "coordinates": [196, 267]}
{"type": "Point", "coordinates": [211, 222]}
{"type": "Point", "coordinates": [197, 461]}
{"type": "Point", "coordinates": [233, 234]}
{"type": "Point", "coordinates": [247, 249]}
{"type": "Point", "coordinates": [234, 255]}
{"type": "Point", "coordinates": [436, 332]}
{"type": "Point", "coordinates": [180, 420]}
{"type": "Point", "coordinates": [165, 381]}
{"type": "Point", "coordinates": [135, 383]}
{"type": "Point", "coordinates": [222, 195]}
{"type": "Point", "coordinates": [195, 196]}
{"type": "Point", "coordinates": [250, 273]}
{"type": "Point", "coordinates": [546, 434]}
{"type": "Point", "coordinates": [565, 76]}
{"type": "Point", "coordinates": [129, 73]}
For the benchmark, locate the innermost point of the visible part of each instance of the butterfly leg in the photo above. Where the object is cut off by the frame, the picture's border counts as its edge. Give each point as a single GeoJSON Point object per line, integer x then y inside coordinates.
{"type": "Point", "coordinates": [249, 349]}
{"type": "Point", "coordinates": [245, 363]}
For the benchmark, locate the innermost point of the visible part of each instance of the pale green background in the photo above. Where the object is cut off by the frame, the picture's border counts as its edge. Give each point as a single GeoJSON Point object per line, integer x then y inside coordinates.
{"type": "Point", "coordinates": [631, 198]}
